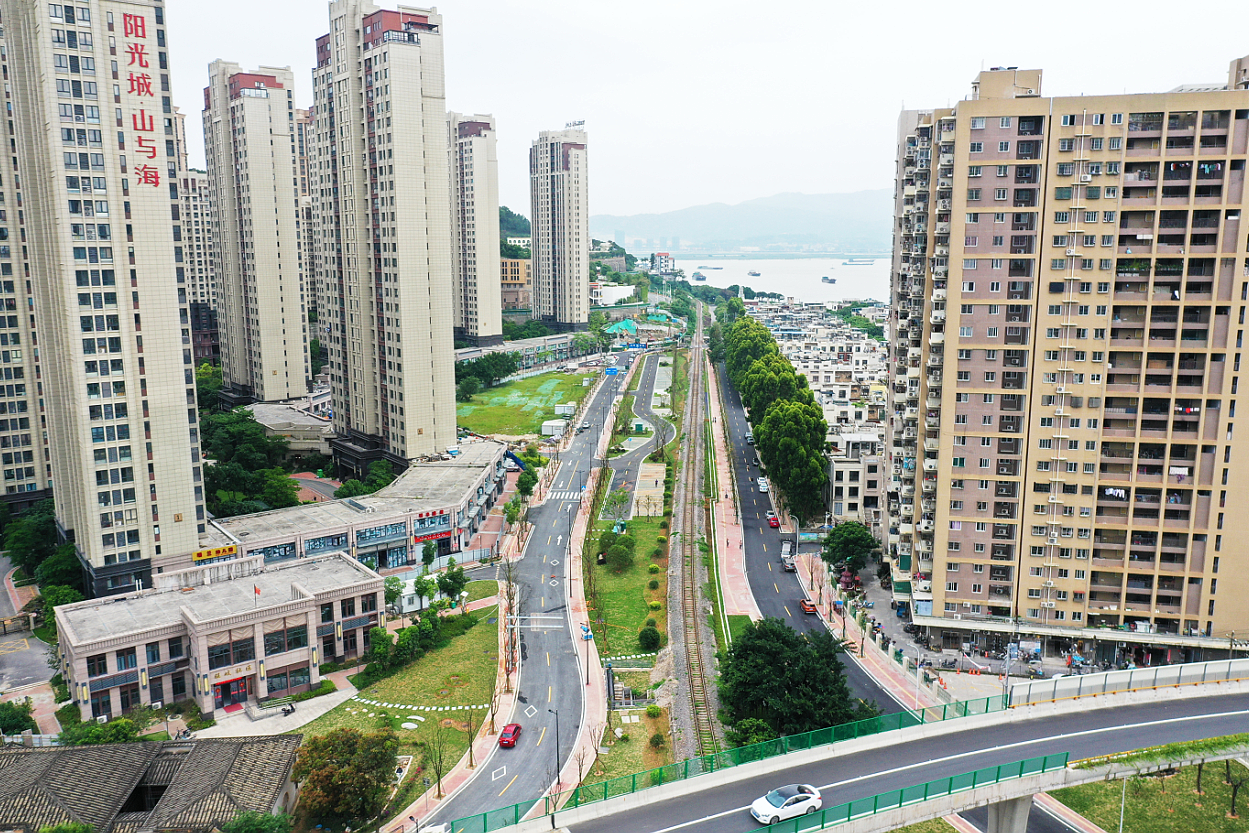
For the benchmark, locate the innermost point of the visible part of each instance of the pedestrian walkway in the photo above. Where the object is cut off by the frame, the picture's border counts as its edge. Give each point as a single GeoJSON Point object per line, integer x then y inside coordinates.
{"type": "Point", "coordinates": [726, 516]}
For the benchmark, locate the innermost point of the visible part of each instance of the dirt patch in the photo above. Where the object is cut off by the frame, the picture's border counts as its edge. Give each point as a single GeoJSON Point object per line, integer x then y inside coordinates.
{"type": "Point", "coordinates": [662, 673]}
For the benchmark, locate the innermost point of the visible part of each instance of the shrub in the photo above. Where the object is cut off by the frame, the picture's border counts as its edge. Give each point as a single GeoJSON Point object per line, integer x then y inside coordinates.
{"type": "Point", "coordinates": [653, 569]}
{"type": "Point", "coordinates": [650, 623]}
{"type": "Point", "coordinates": [655, 606]}
{"type": "Point", "coordinates": [653, 584]}
{"type": "Point", "coordinates": [658, 552]}
{"type": "Point", "coordinates": [624, 738]}
{"type": "Point", "coordinates": [329, 668]}
{"type": "Point", "coordinates": [59, 689]}
{"type": "Point", "coordinates": [663, 524]}
{"type": "Point", "coordinates": [326, 687]}
{"type": "Point", "coordinates": [653, 711]}
{"type": "Point", "coordinates": [648, 638]}
{"type": "Point", "coordinates": [658, 740]}
{"type": "Point", "coordinates": [68, 715]}
{"type": "Point", "coordinates": [619, 558]}
{"type": "Point", "coordinates": [662, 539]}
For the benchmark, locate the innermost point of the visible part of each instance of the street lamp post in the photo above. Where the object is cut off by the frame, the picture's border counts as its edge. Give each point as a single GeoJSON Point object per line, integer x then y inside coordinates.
{"type": "Point", "coordinates": [557, 782]}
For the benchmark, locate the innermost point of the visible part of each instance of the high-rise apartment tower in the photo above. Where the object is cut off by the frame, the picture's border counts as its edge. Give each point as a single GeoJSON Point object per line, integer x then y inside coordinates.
{"type": "Point", "coordinates": [560, 203]}
{"type": "Point", "coordinates": [474, 164]}
{"type": "Point", "coordinates": [250, 144]}
{"type": "Point", "coordinates": [1069, 284]}
{"type": "Point", "coordinates": [97, 163]}
{"type": "Point", "coordinates": [382, 211]}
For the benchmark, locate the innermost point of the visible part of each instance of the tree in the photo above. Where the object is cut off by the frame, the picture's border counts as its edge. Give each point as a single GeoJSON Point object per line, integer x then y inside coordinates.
{"type": "Point", "coordinates": [749, 731]}
{"type": "Point", "coordinates": [392, 588]}
{"type": "Point", "coordinates": [466, 390]}
{"type": "Point", "coordinates": [429, 554]}
{"type": "Point", "coordinates": [619, 558]}
{"type": "Point", "coordinates": [790, 682]}
{"type": "Point", "coordinates": [381, 647]}
{"type": "Point", "coordinates": [207, 386]}
{"type": "Point", "coordinates": [849, 543]}
{"type": "Point", "coordinates": [66, 827]}
{"type": "Point", "coordinates": [438, 753]}
{"type": "Point", "coordinates": [424, 588]}
{"type": "Point", "coordinates": [121, 730]}
{"type": "Point", "coordinates": [17, 716]}
{"type": "Point", "coordinates": [31, 538]}
{"type": "Point", "coordinates": [250, 821]}
{"type": "Point", "coordinates": [350, 488]}
{"type": "Point", "coordinates": [55, 595]}
{"type": "Point", "coordinates": [616, 504]}
{"type": "Point", "coordinates": [346, 772]}
{"type": "Point", "coordinates": [526, 482]}
{"type": "Point", "coordinates": [512, 224]}
{"type": "Point", "coordinates": [511, 510]}
{"type": "Point", "coordinates": [316, 356]}
{"type": "Point", "coordinates": [452, 581]}
{"type": "Point", "coordinates": [790, 439]}
{"type": "Point", "coordinates": [62, 567]}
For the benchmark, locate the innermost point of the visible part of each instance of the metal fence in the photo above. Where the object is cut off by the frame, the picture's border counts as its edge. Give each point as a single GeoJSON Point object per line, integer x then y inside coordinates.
{"type": "Point", "coordinates": [29, 740]}
{"type": "Point", "coordinates": [1134, 679]}
{"type": "Point", "coordinates": [693, 767]}
{"type": "Point", "coordinates": [895, 799]}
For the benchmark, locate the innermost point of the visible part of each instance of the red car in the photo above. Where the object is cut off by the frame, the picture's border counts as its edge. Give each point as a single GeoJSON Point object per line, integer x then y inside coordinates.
{"type": "Point", "coordinates": [509, 734]}
{"type": "Point", "coordinates": [774, 522]}
{"type": "Point", "coordinates": [807, 605]}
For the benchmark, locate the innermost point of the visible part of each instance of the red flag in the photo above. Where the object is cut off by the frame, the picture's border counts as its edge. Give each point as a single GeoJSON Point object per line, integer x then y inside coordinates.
{"type": "Point", "coordinates": [257, 586]}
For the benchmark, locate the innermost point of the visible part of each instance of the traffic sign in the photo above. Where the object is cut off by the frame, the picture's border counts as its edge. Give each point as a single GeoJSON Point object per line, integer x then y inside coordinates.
{"type": "Point", "coordinates": [611, 371]}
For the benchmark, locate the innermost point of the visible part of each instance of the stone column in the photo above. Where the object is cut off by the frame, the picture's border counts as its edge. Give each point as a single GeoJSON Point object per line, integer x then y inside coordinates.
{"type": "Point", "coordinates": [1010, 816]}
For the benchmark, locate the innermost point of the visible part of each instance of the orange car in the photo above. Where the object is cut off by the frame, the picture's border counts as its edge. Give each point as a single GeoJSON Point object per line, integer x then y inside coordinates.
{"type": "Point", "coordinates": [807, 605]}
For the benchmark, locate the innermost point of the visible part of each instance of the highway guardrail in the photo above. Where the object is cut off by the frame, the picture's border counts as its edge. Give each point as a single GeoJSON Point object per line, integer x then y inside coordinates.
{"type": "Point", "coordinates": [1132, 679]}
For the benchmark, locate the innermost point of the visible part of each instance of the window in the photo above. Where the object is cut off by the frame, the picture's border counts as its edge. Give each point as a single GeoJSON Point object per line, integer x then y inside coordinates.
{"type": "Point", "coordinates": [288, 639]}
{"type": "Point", "coordinates": [973, 194]}
{"type": "Point", "coordinates": [1068, 120]}
{"type": "Point", "coordinates": [1004, 121]}
{"type": "Point", "coordinates": [175, 647]}
{"type": "Point", "coordinates": [969, 242]}
{"type": "Point", "coordinates": [1003, 147]}
{"type": "Point", "coordinates": [368, 604]}
{"type": "Point", "coordinates": [964, 332]}
{"type": "Point", "coordinates": [951, 587]}
{"type": "Point", "coordinates": [975, 147]}
{"type": "Point", "coordinates": [153, 653]}
{"type": "Point", "coordinates": [127, 659]}
{"type": "Point", "coordinates": [1003, 170]}
{"type": "Point", "coordinates": [974, 170]}
{"type": "Point", "coordinates": [97, 666]}
{"type": "Point", "coordinates": [327, 612]}
{"type": "Point", "coordinates": [1062, 192]}
{"type": "Point", "coordinates": [1066, 144]}
{"type": "Point", "coordinates": [973, 217]}
{"type": "Point", "coordinates": [347, 607]}
{"type": "Point", "coordinates": [1116, 143]}
{"type": "Point", "coordinates": [1116, 118]}
{"type": "Point", "coordinates": [999, 193]}
{"type": "Point", "coordinates": [977, 123]}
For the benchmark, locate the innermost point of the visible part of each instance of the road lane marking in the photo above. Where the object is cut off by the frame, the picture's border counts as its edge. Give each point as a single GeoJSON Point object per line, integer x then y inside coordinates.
{"type": "Point", "coordinates": [509, 783]}
{"type": "Point", "coordinates": [548, 693]}
{"type": "Point", "coordinates": [787, 613]}
{"type": "Point", "coordinates": [548, 540]}
{"type": "Point", "coordinates": [777, 589]}
{"type": "Point", "coordinates": [548, 659]}
{"type": "Point", "coordinates": [769, 566]}
{"type": "Point", "coordinates": [541, 736]}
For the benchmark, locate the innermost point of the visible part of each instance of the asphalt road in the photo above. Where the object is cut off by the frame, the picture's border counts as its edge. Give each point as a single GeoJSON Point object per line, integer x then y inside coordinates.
{"type": "Point", "coordinates": [1081, 733]}
{"type": "Point", "coordinates": [23, 658]}
{"type": "Point", "coordinates": [550, 678]}
{"type": "Point", "coordinates": [1039, 820]}
{"type": "Point", "coordinates": [776, 591]}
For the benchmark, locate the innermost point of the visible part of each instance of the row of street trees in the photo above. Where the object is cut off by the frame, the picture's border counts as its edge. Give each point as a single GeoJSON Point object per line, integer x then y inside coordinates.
{"type": "Point", "coordinates": [789, 427]}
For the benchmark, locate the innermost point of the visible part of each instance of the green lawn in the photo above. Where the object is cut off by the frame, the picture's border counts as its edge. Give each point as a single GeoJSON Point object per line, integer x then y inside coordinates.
{"type": "Point", "coordinates": [458, 674]}
{"type": "Point", "coordinates": [1164, 805]}
{"type": "Point", "coordinates": [737, 625]}
{"type": "Point", "coordinates": [625, 597]}
{"type": "Point", "coordinates": [932, 826]}
{"type": "Point", "coordinates": [522, 406]}
{"type": "Point", "coordinates": [627, 757]}
{"type": "Point", "coordinates": [483, 589]}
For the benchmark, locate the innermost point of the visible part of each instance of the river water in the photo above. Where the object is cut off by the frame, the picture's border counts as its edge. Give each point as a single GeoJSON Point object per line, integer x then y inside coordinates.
{"type": "Point", "coordinates": [797, 277]}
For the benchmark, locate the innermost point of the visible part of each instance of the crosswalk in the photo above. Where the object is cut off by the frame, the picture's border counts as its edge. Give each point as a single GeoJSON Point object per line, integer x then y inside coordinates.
{"type": "Point", "coordinates": [570, 495]}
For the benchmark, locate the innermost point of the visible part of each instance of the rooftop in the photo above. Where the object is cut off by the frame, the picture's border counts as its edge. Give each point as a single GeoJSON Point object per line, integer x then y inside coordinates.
{"type": "Point", "coordinates": [190, 786]}
{"type": "Point", "coordinates": [212, 591]}
{"type": "Point", "coordinates": [271, 415]}
{"type": "Point", "coordinates": [424, 487]}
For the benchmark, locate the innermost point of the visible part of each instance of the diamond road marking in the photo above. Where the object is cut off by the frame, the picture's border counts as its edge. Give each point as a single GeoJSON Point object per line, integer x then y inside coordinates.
{"type": "Point", "coordinates": [554, 561]}
{"type": "Point", "coordinates": [498, 773]}
{"type": "Point", "coordinates": [530, 712]}
{"type": "Point", "coordinates": [555, 583]}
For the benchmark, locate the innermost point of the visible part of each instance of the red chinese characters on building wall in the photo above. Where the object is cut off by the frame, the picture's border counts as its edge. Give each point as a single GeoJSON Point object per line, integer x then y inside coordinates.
{"type": "Point", "coordinates": [139, 83]}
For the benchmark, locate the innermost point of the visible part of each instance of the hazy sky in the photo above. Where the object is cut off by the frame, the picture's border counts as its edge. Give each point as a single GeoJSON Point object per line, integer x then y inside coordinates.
{"type": "Point", "coordinates": [692, 101]}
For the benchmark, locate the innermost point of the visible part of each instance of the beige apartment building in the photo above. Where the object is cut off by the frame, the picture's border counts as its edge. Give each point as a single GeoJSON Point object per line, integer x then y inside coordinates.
{"type": "Point", "coordinates": [307, 236]}
{"type": "Point", "coordinates": [107, 264]}
{"type": "Point", "coordinates": [24, 450]}
{"type": "Point", "coordinates": [1069, 288]}
{"type": "Point", "coordinates": [559, 193]}
{"type": "Point", "coordinates": [516, 283]}
{"type": "Point", "coordinates": [383, 217]}
{"type": "Point", "coordinates": [196, 216]}
{"type": "Point", "coordinates": [474, 167]}
{"type": "Point", "coordinates": [250, 141]}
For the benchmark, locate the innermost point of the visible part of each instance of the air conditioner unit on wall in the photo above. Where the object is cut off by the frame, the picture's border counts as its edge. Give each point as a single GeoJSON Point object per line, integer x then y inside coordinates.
{"type": "Point", "coordinates": [1086, 177]}
{"type": "Point", "coordinates": [156, 704]}
{"type": "Point", "coordinates": [102, 719]}
{"type": "Point", "coordinates": [1047, 604]}
{"type": "Point", "coordinates": [1071, 252]}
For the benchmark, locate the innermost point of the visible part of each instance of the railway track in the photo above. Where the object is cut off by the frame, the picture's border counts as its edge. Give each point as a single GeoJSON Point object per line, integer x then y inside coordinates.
{"type": "Point", "coordinates": [702, 710]}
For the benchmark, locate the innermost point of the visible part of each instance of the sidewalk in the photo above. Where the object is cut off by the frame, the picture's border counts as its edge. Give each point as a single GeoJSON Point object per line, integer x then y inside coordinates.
{"type": "Point", "coordinates": [726, 517]}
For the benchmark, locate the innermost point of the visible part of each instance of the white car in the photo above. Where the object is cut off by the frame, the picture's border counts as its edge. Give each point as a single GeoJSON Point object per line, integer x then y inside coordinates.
{"type": "Point", "coordinates": [786, 803]}
{"type": "Point", "coordinates": [763, 484]}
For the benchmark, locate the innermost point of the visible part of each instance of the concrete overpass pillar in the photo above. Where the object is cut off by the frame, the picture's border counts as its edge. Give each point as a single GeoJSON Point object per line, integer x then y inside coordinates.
{"type": "Point", "coordinates": [1010, 816]}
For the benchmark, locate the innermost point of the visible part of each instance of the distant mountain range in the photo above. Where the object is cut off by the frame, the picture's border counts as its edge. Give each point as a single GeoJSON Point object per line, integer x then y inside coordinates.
{"type": "Point", "coordinates": [855, 223]}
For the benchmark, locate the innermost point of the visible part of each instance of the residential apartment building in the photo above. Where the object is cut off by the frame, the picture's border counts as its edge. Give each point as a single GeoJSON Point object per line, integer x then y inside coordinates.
{"type": "Point", "coordinates": [307, 232]}
{"type": "Point", "coordinates": [856, 478]}
{"type": "Point", "coordinates": [1069, 282]}
{"type": "Point", "coordinates": [474, 168]}
{"type": "Point", "coordinates": [382, 213]}
{"type": "Point", "coordinates": [515, 283]}
{"type": "Point", "coordinates": [250, 142]}
{"type": "Point", "coordinates": [560, 228]}
{"type": "Point", "coordinates": [196, 213]}
{"type": "Point", "coordinates": [23, 443]}
{"type": "Point", "coordinates": [114, 331]}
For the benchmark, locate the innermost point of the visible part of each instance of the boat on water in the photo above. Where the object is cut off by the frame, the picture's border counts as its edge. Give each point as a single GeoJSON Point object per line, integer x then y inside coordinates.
{"type": "Point", "coordinates": [699, 276]}
{"type": "Point", "coordinates": [753, 274]}
{"type": "Point", "coordinates": [859, 261]}
{"type": "Point", "coordinates": [827, 279]}
{"type": "Point", "coordinates": [713, 267]}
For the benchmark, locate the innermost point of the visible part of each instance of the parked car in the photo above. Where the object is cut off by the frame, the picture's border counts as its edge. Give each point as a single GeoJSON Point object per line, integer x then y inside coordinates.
{"type": "Point", "coordinates": [786, 803]}
{"type": "Point", "coordinates": [750, 439]}
{"type": "Point", "coordinates": [509, 735]}
{"type": "Point", "coordinates": [763, 484]}
{"type": "Point", "coordinates": [774, 522]}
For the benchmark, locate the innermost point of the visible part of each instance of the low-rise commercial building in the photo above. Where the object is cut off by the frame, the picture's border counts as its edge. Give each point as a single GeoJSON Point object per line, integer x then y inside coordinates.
{"type": "Point", "coordinates": [224, 634]}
